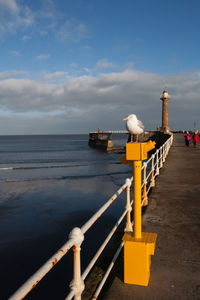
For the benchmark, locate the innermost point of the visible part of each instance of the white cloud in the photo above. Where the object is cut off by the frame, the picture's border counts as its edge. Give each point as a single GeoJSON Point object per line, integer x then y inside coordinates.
{"type": "Point", "coordinates": [72, 30]}
{"type": "Point", "coordinates": [43, 56]}
{"type": "Point", "coordinates": [10, 5]}
{"type": "Point", "coordinates": [104, 64]}
{"type": "Point", "coordinates": [89, 102]}
{"type": "Point", "coordinates": [13, 16]}
{"type": "Point", "coordinates": [12, 74]}
{"type": "Point", "coordinates": [43, 32]}
{"type": "Point", "coordinates": [56, 75]}
{"type": "Point", "coordinates": [15, 53]}
{"type": "Point", "coordinates": [26, 38]}
{"type": "Point", "coordinates": [17, 16]}
{"type": "Point", "coordinates": [73, 65]}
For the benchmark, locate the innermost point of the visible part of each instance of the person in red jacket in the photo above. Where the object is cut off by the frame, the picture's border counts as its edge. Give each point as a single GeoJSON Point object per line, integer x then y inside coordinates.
{"type": "Point", "coordinates": [195, 138]}
{"type": "Point", "coordinates": [187, 137]}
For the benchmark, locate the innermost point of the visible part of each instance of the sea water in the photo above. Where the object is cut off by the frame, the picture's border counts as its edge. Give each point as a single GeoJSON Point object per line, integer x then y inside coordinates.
{"type": "Point", "coordinates": [49, 185]}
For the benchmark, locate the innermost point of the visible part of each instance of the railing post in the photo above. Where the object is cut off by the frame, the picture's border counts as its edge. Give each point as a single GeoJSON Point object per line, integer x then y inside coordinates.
{"type": "Point", "coordinates": [157, 163]}
{"type": "Point", "coordinates": [167, 148]}
{"type": "Point", "coordinates": [152, 172]}
{"type": "Point", "coordinates": [161, 157]}
{"type": "Point", "coordinates": [77, 285]}
{"type": "Point", "coordinates": [164, 153]}
{"type": "Point", "coordinates": [129, 226]}
{"type": "Point", "coordinates": [144, 195]}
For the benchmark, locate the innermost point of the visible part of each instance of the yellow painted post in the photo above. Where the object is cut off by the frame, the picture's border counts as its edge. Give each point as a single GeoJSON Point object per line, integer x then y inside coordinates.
{"type": "Point", "coordinates": [137, 166]}
{"type": "Point", "coordinates": [144, 195]}
{"type": "Point", "coordinates": [138, 247]}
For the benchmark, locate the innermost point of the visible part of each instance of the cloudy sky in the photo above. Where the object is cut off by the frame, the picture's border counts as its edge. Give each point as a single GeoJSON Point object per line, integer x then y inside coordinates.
{"type": "Point", "coordinates": [77, 65]}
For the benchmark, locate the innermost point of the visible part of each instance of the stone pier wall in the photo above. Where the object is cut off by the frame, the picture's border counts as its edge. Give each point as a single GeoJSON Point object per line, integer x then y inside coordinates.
{"type": "Point", "coordinates": [101, 140]}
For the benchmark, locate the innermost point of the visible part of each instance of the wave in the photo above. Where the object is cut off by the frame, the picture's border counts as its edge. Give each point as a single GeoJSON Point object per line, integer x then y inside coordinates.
{"type": "Point", "coordinates": [41, 167]}
{"type": "Point", "coordinates": [69, 177]}
{"type": "Point", "coordinates": [54, 166]}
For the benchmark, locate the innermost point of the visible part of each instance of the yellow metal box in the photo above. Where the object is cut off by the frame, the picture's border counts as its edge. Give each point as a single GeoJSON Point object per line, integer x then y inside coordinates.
{"type": "Point", "coordinates": [137, 257]}
{"type": "Point", "coordinates": [136, 151]}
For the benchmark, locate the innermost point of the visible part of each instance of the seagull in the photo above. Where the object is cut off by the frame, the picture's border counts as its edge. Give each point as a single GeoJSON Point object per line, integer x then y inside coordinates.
{"type": "Point", "coordinates": [134, 126]}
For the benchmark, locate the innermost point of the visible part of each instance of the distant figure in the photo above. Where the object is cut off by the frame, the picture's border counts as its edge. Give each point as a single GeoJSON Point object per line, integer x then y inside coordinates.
{"type": "Point", "coordinates": [195, 138]}
{"type": "Point", "coordinates": [134, 126]}
{"type": "Point", "coordinates": [158, 128]}
{"type": "Point", "coordinates": [187, 137]}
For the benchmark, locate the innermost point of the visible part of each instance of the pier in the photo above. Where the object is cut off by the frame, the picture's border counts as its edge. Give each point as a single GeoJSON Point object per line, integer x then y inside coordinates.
{"type": "Point", "coordinates": [174, 214]}
{"type": "Point", "coordinates": [103, 139]}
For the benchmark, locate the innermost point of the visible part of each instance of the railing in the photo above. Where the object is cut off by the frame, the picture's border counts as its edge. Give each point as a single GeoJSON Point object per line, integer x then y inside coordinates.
{"type": "Point", "coordinates": [150, 170]}
{"type": "Point", "coordinates": [111, 131]}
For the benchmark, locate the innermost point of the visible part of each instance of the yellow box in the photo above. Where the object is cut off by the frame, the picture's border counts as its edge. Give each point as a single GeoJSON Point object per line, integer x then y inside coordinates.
{"type": "Point", "coordinates": [136, 151]}
{"type": "Point", "coordinates": [150, 145]}
{"type": "Point", "coordinates": [137, 257]}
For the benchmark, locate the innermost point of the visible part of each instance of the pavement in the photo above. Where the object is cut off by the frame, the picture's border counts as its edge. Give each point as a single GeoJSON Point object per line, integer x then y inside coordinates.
{"type": "Point", "coordinates": [174, 214]}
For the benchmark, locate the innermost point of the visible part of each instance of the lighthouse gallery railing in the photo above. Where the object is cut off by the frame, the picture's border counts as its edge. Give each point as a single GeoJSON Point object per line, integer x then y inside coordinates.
{"type": "Point", "coordinates": [150, 170]}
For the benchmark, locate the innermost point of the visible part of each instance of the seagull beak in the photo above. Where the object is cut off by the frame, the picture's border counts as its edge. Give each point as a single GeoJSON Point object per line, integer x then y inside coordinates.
{"type": "Point", "coordinates": [125, 119]}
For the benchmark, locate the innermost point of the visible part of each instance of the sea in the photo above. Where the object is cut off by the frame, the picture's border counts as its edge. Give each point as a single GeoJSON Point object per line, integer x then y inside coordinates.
{"type": "Point", "coordinates": [50, 184]}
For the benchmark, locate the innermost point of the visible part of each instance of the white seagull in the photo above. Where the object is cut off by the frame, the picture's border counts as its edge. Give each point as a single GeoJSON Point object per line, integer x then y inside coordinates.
{"type": "Point", "coordinates": [134, 126]}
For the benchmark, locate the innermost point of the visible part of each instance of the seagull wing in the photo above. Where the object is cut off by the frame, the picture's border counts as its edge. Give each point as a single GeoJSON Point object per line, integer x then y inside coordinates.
{"type": "Point", "coordinates": [140, 124]}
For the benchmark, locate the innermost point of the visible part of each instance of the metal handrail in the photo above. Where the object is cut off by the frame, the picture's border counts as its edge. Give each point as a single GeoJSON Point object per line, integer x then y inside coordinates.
{"type": "Point", "coordinates": [77, 234]}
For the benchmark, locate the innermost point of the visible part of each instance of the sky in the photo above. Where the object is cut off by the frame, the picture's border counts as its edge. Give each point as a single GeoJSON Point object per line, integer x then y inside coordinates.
{"type": "Point", "coordinates": [72, 66]}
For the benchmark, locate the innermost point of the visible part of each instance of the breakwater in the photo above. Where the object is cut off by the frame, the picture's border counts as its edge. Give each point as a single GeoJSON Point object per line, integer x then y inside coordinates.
{"type": "Point", "coordinates": [104, 139]}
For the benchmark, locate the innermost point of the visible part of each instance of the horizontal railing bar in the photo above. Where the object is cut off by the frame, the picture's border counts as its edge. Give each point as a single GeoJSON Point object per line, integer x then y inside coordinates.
{"type": "Point", "coordinates": [149, 174]}
{"type": "Point", "coordinates": [148, 189]}
{"type": "Point", "coordinates": [70, 295]}
{"type": "Point", "coordinates": [149, 160]}
{"type": "Point", "coordinates": [110, 131]}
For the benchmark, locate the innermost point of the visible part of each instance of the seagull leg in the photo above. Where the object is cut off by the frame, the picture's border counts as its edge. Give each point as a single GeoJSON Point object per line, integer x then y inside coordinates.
{"type": "Point", "coordinates": [136, 138]}
{"type": "Point", "coordinates": [131, 138]}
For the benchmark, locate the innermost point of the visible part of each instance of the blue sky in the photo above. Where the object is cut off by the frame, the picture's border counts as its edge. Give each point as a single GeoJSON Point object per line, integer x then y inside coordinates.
{"type": "Point", "coordinates": [75, 66]}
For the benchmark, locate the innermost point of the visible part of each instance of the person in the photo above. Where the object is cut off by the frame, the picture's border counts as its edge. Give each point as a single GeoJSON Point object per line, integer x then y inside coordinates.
{"type": "Point", "coordinates": [187, 138]}
{"type": "Point", "coordinates": [195, 138]}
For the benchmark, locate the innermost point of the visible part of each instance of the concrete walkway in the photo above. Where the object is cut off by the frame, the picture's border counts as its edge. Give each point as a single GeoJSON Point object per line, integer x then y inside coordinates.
{"type": "Point", "coordinates": [174, 214]}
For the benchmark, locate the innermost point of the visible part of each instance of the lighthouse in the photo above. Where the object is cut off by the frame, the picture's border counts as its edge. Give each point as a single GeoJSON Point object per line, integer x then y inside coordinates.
{"type": "Point", "coordinates": [165, 97]}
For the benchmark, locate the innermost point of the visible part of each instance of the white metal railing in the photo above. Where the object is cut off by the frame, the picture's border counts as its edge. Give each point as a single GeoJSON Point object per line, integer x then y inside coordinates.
{"type": "Point", "coordinates": [111, 131]}
{"type": "Point", "coordinates": [150, 170]}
